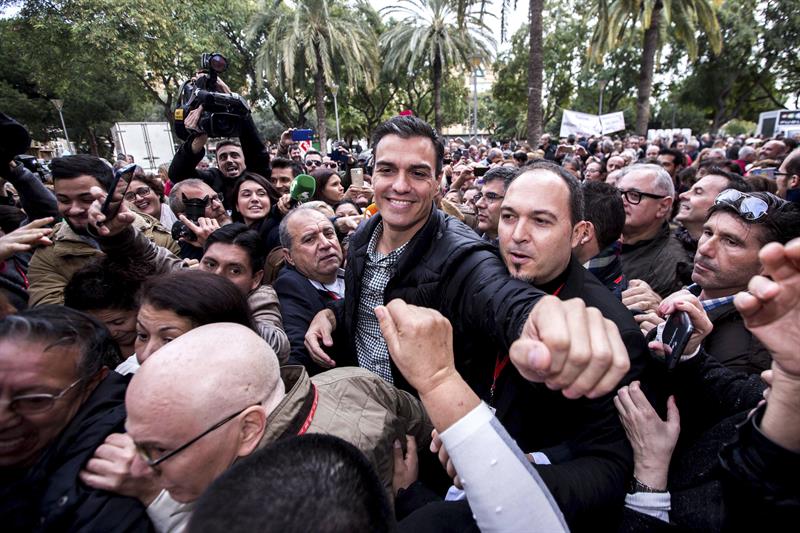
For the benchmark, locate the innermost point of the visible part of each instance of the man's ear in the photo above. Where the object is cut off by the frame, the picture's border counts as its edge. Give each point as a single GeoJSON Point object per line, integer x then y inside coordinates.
{"type": "Point", "coordinates": [257, 278]}
{"type": "Point", "coordinates": [287, 256]}
{"type": "Point", "coordinates": [793, 182]}
{"type": "Point", "coordinates": [665, 207]}
{"type": "Point", "coordinates": [251, 430]}
{"type": "Point", "coordinates": [582, 233]}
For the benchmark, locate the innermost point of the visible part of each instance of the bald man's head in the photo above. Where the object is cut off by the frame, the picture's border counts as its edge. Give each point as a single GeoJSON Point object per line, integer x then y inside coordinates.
{"type": "Point", "coordinates": [207, 375]}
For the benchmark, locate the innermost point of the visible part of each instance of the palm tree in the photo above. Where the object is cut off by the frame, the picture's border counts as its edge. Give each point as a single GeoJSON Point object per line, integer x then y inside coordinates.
{"type": "Point", "coordinates": [656, 16]}
{"type": "Point", "coordinates": [535, 73]}
{"type": "Point", "coordinates": [316, 38]}
{"type": "Point", "coordinates": [430, 34]}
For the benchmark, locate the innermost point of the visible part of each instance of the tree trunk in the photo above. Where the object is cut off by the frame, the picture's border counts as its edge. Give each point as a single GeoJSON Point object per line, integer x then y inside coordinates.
{"type": "Point", "coordinates": [535, 74]}
{"type": "Point", "coordinates": [437, 92]}
{"type": "Point", "coordinates": [651, 45]}
{"type": "Point", "coordinates": [92, 143]}
{"type": "Point", "coordinates": [319, 96]}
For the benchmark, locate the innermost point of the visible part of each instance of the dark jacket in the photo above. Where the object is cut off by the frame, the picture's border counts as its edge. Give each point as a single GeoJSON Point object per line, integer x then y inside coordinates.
{"type": "Point", "coordinates": [256, 158]}
{"type": "Point", "coordinates": [584, 439]}
{"type": "Point", "coordinates": [50, 497]}
{"type": "Point", "coordinates": [732, 344]}
{"type": "Point", "coordinates": [759, 481]}
{"type": "Point", "coordinates": [446, 267]}
{"type": "Point", "coordinates": [660, 262]}
{"type": "Point", "coordinates": [38, 202]}
{"type": "Point", "coordinates": [300, 302]}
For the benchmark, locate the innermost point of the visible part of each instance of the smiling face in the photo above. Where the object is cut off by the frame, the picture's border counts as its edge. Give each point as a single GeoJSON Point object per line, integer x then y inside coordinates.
{"type": "Point", "coordinates": [535, 231]}
{"type": "Point", "coordinates": [230, 160]}
{"type": "Point", "coordinates": [157, 327]}
{"type": "Point", "coordinates": [405, 184]}
{"type": "Point", "coordinates": [144, 198]}
{"type": "Point", "coordinates": [696, 202]}
{"type": "Point", "coordinates": [252, 202]}
{"type": "Point", "coordinates": [74, 199]}
{"type": "Point", "coordinates": [121, 323]}
{"type": "Point", "coordinates": [45, 368]}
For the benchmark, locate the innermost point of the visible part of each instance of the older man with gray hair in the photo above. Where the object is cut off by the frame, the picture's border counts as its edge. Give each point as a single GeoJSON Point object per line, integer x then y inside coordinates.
{"type": "Point", "coordinates": [650, 253]}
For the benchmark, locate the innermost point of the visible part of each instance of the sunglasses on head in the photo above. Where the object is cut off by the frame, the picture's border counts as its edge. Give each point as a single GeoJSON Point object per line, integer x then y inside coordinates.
{"type": "Point", "coordinates": [748, 206]}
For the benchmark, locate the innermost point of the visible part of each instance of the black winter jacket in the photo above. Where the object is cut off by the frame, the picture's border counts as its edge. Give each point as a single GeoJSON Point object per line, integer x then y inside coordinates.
{"type": "Point", "coordinates": [256, 158]}
{"type": "Point", "coordinates": [51, 497]}
{"type": "Point", "coordinates": [446, 267]}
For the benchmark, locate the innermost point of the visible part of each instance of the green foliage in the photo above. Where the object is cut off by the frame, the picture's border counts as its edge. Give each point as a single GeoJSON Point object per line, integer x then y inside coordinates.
{"type": "Point", "coordinates": [739, 127]}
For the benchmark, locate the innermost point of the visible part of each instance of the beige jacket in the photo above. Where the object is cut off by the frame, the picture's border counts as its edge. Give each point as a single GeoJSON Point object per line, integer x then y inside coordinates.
{"type": "Point", "coordinates": [263, 301]}
{"type": "Point", "coordinates": [52, 267]}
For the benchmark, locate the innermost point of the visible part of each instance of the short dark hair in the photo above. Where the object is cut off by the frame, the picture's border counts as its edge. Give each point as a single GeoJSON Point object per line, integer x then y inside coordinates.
{"type": "Point", "coordinates": [243, 237]}
{"type": "Point", "coordinates": [603, 207]}
{"type": "Point", "coordinates": [780, 224]}
{"type": "Point", "coordinates": [201, 297]}
{"type": "Point", "coordinates": [311, 152]}
{"type": "Point", "coordinates": [282, 162]}
{"type": "Point", "coordinates": [74, 166]}
{"type": "Point", "coordinates": [735, 181]}
{"type": "Point", "coordinates": [257, 178]}
{"type": "Point", "coordinates": [573, 185]}
{"type": "Point", "coordinates": [228, 142]}
{"type": "Point", "coordinates": [106, 284]}
{"type": "Point", "coordinates": [520, 156]}
{"type": "Point", "coordinates": [59, 325]}
{"type": "Point", "coordinates": [507, 174]}
{"type": "Point", "coordinates": [409, 126]}
{"type": "Point", "coordinates": [313, 482]}
{"type": "Point", "coordinates": [677, 156]}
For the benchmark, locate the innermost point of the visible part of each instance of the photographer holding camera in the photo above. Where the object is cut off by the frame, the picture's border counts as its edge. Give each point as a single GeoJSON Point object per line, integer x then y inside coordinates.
{"type": "Point", "coordinates": [208, 108]}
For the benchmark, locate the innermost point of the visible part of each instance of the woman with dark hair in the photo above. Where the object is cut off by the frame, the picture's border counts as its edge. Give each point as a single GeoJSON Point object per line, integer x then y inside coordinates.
{"type": "Point", "coordinates": [329, 186]}
{"type": "Point", "coordinates": [254, 197]}
{"type": "Point", "coordinates": [172, 304]}
{"type": "Point", "coordinates": [146, 194]}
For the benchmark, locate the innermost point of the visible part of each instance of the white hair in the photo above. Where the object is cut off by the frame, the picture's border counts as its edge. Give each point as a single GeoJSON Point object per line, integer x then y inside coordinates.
{"type": "Point", "coordinates": [662, 182]}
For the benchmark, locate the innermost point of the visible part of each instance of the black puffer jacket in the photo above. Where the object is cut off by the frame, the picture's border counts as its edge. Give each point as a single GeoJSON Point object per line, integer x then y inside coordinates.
{"type": "Point", "coordinates": [449, 268]}
{"type": "Point", "coordinates": [50, 497]}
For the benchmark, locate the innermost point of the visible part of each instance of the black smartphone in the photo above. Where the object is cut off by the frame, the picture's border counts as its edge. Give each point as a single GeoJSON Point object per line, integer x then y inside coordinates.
{"type": "Point", "coordinates": [480, 171]}
{"type": "Point", "coordinates": [677, 331]}
{"type": "Point", "coordinates": [110, 207]}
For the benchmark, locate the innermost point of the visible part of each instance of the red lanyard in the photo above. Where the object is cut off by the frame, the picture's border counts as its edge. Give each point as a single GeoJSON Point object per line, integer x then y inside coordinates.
{"type": "Point", "coordinates": [311, 412]}
{"type": "Point", "coordinates": [501, 362]}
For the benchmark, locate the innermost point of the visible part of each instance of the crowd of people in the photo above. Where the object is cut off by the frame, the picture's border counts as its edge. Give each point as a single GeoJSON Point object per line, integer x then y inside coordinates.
{"type": "Point", "coordinates": [445, 335]}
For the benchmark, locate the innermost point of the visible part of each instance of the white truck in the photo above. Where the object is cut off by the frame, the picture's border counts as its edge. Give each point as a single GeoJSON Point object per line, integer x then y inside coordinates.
{"type": "Point", "coordinates": [150, 143]}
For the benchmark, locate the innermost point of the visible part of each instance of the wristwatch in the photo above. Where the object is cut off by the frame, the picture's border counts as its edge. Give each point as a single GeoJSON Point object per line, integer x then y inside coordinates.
{"type": "Point", "coordinates": [638, 486]}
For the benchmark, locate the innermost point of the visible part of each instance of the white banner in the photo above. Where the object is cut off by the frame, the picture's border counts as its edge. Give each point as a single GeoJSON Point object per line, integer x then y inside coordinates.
{"type": "Point", "coordinates": [575, 123]}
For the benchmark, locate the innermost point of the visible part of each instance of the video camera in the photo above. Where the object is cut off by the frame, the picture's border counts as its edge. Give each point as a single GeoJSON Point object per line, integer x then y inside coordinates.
{"type": "Point", "coordinates": [222, 113]}
{"type": "Point", "coordinates": [194, 208]}
{"type": "Point", "coordinates": [34, 165]}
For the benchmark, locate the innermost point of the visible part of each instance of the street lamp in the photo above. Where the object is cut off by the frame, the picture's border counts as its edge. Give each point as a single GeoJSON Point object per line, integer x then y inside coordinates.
{"type": "Point", "coordinates": [58, 105]}
{"type": "Point", "coordinates": [476, 62]}
{"type": "Point", "coordinates": [334, 91]}
{"type": "Point", "coordinates": [602, 84]}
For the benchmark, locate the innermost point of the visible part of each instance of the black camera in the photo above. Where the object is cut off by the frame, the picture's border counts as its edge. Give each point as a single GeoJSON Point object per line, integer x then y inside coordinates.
{"type": "Point", "coordinates": [223, 113]}
{"type": "Point", "coordinates": [33, 164]}
{"type": "Point", "coordinates": [194, 208]}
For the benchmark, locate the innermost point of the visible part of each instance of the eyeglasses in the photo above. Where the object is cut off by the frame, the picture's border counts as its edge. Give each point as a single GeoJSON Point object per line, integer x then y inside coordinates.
{"type": "Point", "coordinates": [147, 457]}
{"type": "Point", "coordinates": [216, 198]}
{"type": "Point", "coordinates": [29, 404]}
{"type": "Point", "coordinates": [490, 197]}
{"type": "Point", "coordinates": [749, 207]}
{"type": "Point", "coordinates": [313, 163]}
{"type": "Point", "coordinates": [330, 165]}
{"type": "Point", "coordinates": [634, 197]}
{"type": "Point", "coordinates": [141, 191]}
